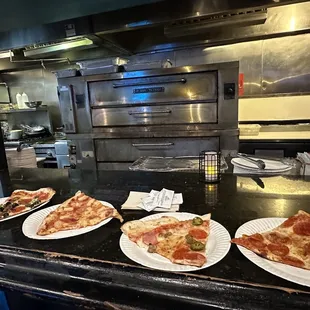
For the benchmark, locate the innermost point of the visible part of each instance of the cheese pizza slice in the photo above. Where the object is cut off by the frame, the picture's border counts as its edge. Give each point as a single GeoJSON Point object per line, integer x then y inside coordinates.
{"type": "Point", "coordinates": [288, 243]}
{"type": "Point", "coordinates": [77, 212]}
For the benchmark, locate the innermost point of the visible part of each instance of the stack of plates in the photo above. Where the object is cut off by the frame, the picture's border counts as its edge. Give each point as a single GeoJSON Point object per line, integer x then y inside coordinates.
{"type": "Point", "coordinates": [26, 158]}
{"type": "Point", "coordinates": [272, 166]}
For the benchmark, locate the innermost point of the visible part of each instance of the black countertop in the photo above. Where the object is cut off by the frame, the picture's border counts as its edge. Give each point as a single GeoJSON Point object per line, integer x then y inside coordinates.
{"type": "Point", "coordinates": [91, 268]}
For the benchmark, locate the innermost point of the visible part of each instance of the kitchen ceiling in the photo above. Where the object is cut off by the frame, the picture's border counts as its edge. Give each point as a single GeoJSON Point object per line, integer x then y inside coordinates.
{"type": "Point", "coordinates": [17, 14]}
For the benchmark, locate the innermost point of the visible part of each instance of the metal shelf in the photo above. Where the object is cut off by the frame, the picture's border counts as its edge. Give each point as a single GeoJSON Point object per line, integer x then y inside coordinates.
{"type": "Point", "coordinates": [43, 109]}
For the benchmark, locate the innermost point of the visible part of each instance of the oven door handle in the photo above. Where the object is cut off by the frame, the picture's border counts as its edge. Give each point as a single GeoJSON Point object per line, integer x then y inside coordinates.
{"type": "Point", "coordinates": [118, 85]}
{"type": "Point", "coordinates": [152, 144]}
{"type": "Point", "coordinates": [150, 112]}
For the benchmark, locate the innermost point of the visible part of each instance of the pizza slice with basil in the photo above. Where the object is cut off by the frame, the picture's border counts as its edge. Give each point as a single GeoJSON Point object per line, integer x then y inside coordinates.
{"type": "Point", "coordinates": [288, 243]}
{"type": "Point", "coordinates": [23, 200]}
{"type": "Point", "coordinates": [77, 212]}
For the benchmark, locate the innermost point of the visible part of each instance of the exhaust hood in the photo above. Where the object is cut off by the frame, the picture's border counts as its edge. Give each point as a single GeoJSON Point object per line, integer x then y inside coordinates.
{"type": "Point", "coordinates": [54, 48]}
{"type": "Point", "coordinates": [202, 24]}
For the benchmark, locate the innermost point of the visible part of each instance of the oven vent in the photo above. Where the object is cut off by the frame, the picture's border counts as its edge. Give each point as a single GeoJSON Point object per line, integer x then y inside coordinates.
{"type": "Point", "coordinates": [200, 24]}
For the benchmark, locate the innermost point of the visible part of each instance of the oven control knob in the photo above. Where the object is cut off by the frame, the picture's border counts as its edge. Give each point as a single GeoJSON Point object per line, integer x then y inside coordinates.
{"type": "Point", "coordinates": [229, 91]}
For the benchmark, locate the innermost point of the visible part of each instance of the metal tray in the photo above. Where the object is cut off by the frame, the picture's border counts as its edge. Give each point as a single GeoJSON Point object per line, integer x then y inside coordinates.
{"type": "Point", "coordinates": [169, 164]}
{"type": "Point", "coordinates": [65, 73]}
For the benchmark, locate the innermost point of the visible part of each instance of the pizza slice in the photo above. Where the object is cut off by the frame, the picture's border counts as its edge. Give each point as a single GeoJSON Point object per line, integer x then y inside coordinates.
{"type": "Point", "coordinates": [23, 200]}
{"type": "Point", "coordinates": [182, 242]}
{"type": "Point", "coordinates": [288, 243]}
{"type": "Point", "coordinates": [135, 229]}
{"type": "Point", "coordinates": [77, 212]}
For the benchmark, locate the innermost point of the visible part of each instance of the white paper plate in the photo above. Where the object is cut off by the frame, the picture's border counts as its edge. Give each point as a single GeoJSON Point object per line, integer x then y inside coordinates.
{"type": "Point", "coordinates": [290, 273]}
{"type": "Point", "coordinates": [2, 200]}
{"type": "Point", "coordinates": [33, 221]}
{"type": "Point", "coordinates": [271, 165]}
{"type": "Point", "coordinates": [217, 247]}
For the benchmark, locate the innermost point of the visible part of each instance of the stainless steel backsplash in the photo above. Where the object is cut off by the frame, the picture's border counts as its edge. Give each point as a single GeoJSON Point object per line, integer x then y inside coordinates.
{"type": "Point", "coordinates": [38, 84]}
{"type": "Point", "coordinates": [271, 67]}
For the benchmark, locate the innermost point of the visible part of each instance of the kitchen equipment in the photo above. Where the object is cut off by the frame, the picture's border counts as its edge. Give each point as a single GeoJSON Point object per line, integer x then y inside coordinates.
{"type": "Point", "coordinates": [114, 119]}
{"type": "Point", "coordinates": [14, 134]}
{"type": "Point", "coordinates": [101, 66]}
{"type": "Point", "coordinates": [62, 154]}
{"type": "Point", "coordinates": [34, 131]}
{"type": "Point", "coordinates": [258, 162]}
{"type": "Point", "coordinates": [33, 104]}
{"type": "Point", "coordinates": [65, 73]}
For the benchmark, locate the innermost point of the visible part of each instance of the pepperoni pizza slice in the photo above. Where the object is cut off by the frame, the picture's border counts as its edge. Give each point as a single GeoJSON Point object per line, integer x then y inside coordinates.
{"type": "Point", "coordinates": [22, 200]}
{"type": "Point", "coordinates": [182, 242]}
{"type": "Point", "coordinates": [288, 243]}
{"type": "Point", "coordinates": [77, 212]}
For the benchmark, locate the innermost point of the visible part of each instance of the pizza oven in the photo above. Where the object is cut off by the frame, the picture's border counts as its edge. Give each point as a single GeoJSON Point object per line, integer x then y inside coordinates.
{"type": "Point", "coordinates": [113, 119]}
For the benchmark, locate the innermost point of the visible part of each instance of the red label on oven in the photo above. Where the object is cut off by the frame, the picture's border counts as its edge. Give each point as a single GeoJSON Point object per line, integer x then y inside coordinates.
{"type": "Point", "coordinates": [241, 84]}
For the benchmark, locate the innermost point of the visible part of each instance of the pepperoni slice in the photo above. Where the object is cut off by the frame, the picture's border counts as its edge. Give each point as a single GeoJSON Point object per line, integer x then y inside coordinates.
{"type": "Point", "coordinates": [293, 261]}
{"type": "Point", "coordinates": [302, 228]}
{"type": "Point", "coordinates": [258, 237]}
{"type": "Point", "coordinates": [69, 220]}
{"type": "Point", "coordinates": [289, 222]}
{"type": "Point", "coordinates": [18, 209]}
{"type": "Point", "coordinates": [275, 237]}
{"type": "Point", "coordinates": [307, 249]}
{"type": "Point", "coordinates": [185, 253]}
{"type": "Point", "coordinates": [194, 256]}
{"type": "Point", "coordinates": [259, 245]}
{"type": "Point", "coordinates": [250, 243]}
{"type": "Point", "coordinates": [198, 233]}
{"type": "Point", "coordinates": [43, 196]}
{"type": "Point", "coordinates": [278, 249]}
{"type": "Point", "coordinates": [180, 253]}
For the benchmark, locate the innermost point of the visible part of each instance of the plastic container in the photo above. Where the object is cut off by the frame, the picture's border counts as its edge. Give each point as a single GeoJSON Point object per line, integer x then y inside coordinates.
{"type": "Point", "coordinates": [249, 129]}
{"type": "Point", "coordinates": [24, 99]}
{"type": "Point", "coordinates": [19, 101]}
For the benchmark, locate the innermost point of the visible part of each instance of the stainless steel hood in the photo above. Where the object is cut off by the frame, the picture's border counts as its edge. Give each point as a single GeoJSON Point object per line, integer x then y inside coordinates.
{"type": "Point", "coordinates": [46, 50]}
{"type": "Point", "coordinates": [149, 27]}
{"type": "Point", "coordinates": [202, 24]}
